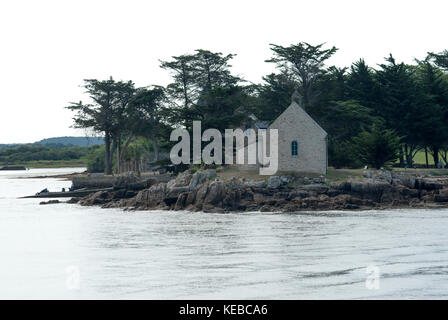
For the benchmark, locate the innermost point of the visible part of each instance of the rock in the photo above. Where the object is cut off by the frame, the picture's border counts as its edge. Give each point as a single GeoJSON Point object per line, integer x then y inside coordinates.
{"type": "Point", "coordinates": [201, 192]}
{"type": "Point", "coordinates": [200, 177]}
{"type": "Point", "coordinates": [367, 174]}
{"type": "Point", "coordinates": [428, 184]}
{"type": "Point", "coordinates": [180, 202]}
{"type": "Point", "coordinates": [49, 202]}
{"type": "Point", "coordinates": [344, 186]}
{"type": "Point", "coordinates": [274, 182]}
{"type": "Point", "coordinates": [266, 209]}
{"type": "Point", "coordinates": [73, 200]}
{"type": "Point", "coordinates": [442, 196]}
{"type": "Point", "coordinates": [351, 206]}
{"type": "Point", "coordinates": [411, 193]}
{"type": "Point", "coordinates": [370, 190]}
{"type": "Point", "coordinates": [215, 193]}
{"type": "Point", "coordinates": [182, 180]}
{"type": "Point", "coordinates": [96, 174]}
{"type": "Point", "coordinates": [285, 179]}
{"type": "Point", "coordinates": [191, 198]}
{"type": "Point", "coordinates": [126, 179]}
{"type": "Point", "coordinates": [152, 197]}
{"type": "Point", "coordinates": [100, 197]}
{"type": "Point", "coordinates": [174, 192]}
{"type": "Point", "coordinates": [384, 175]}
{"type": "Point", "coordinates": [260, 184]}
{"type": "Point", "coordinates": [408, 181]}
{"type": "Point", "coordinates": [318, 180]}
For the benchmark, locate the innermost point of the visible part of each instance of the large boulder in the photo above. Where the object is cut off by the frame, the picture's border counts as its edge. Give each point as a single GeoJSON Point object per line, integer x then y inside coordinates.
{"type": "Point", "coordinates": [182, 180]}
{"type": "Point", "coordinates": [442, 196]}
{"type": "Point", "coordinates": [216, 193]}
{"type": "Point", "coordinates": [126, 179]}
{"type": "Point", "coordinates": [429, 184]}
{"type": "Point", "coordinates": [97, 198]}
{"type": "Point", "coordinates": [151, 197]}
{"type": "Point", "coordinates": [274, 182]}
{"type": "Point", "coordinates": [199, 177]}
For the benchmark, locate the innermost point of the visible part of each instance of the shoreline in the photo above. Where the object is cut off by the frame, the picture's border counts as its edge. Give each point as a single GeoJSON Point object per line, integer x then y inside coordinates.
{"type": "Point", "coordinates": [204, 191]}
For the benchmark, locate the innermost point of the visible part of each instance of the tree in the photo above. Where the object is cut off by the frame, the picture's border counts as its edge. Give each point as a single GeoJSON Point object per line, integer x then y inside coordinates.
{"type": "Point", "coordinates": [376, 147]}
{"type": "Point", "coordinates": [124, 92]}
{"type": "Point", "coordinates": [400, 104]}
{"type": "Point", "coordinates": [345, 119]}
{"type": "Point", "coordinates": [194, 75]}
{"type": "Point", "coordinates": [306, 63]}
{"type": "Point", "coordinates": [361, 84]}
{"type": "Point", "coordinates": [105, 114]}
{"type": "Point", "coordinates": [274, 95]}
{"type": "Point", "coordinates": [434, 123]}
{"type": "Point", "coordinates": [183, 88]}
{"type": "Point", "coordinates": [440, 59]}
{"type": "Point", "coordinates": [213, 70]}
{"type": "Point", "coordinates": [146, 113]}
{"type": "Point", "coordinates": [222, 108]}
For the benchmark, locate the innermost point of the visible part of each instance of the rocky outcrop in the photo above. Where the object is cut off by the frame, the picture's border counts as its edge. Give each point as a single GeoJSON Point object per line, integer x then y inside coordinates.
{"type": "Point", "coordinates": [49, 202]}
{"type": "Point", "coordinates": [202, 191]}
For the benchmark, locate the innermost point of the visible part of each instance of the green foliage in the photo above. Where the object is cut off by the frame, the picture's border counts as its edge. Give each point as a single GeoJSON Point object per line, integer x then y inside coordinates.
{"type": "Point", "coordinates": [410, 101]}
{"type": "Point", "coordinates": [306, 64]}
{"type": "Point", "coordinates": [274, 95]}
{"type": "Point", "coordinates": [377, 148]}
{"type": "Point", "coordinates": [37, 152]}
{"type": "Point", "coordinates": [194, 75]}
{"type": "Point", "coordinates": [440, 59]}
{"type": "Point", "coordinates": [106, 113]}
{"type": "Point", "coordinates": [342, 154]}
{"type": "Point", "coordinates": [221, 108]}
{"type": "Point", "coordinates": [345, 119]}
{"type": "Point", "coordinates": [95, 159]}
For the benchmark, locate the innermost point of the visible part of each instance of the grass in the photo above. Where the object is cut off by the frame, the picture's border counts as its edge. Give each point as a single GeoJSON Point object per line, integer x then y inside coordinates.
{"type": "Point", "coordinates": [225, 173]}
{"type": "Point", "coordinates": [343, 174]}
{"type": "Point", "coordinates": [420, 158]}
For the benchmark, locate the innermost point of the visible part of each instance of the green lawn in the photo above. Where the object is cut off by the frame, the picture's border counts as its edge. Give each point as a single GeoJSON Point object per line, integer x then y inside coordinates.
{"type": "Point", "coordinates": [420, 158]}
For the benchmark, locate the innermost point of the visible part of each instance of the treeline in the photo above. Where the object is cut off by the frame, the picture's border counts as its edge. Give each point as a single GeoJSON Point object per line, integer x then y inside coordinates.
{"type": "Point", "coordinates": [374, 115]}
{"type": "Point", "coordinates": [34, 152]}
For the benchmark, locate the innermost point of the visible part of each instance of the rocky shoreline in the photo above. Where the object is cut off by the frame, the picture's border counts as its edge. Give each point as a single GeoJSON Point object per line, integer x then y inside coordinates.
{"type": "Point", "coordinates": [204, 191]}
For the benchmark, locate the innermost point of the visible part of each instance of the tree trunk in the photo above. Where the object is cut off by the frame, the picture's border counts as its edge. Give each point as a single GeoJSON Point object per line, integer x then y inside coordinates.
{"type": "Point", "coordinates": [444, 156]}
{"type": "Point", "coordinates": [118, 164]}
{"type": "Point", "coordinates": [401, 158]}
{"type": "Point", "coordinates": [112, 153]}
{"type": "Point", "coordinates": [426, 157]}
{"type": "Point", "coordinates": [108, 167]}
{"type": "Point", "coordinates": [156, 148]}
{"type": "Point", "coordinates": [125, 147]}
{"type": "Point", "coordinates": [406, 154]}
{"type": "Point", "coordinates": [435, 155]}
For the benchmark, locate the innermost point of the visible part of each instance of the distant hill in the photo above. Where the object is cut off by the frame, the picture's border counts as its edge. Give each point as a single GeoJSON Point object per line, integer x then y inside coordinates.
{"type": "Point", "coordinates": [58, 142]}
{"type": "Point", "coordinates": [74, 141]}
{"type": "Point", "coordinates": [8, 145]}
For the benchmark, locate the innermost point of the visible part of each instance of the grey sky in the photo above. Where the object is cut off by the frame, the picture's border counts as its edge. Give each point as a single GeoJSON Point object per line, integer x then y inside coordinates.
{"type": "Point", "coordinates": [49, 47]}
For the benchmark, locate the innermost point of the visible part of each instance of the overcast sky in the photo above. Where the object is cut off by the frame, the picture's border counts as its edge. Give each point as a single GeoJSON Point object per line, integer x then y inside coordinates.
{"type": "Point", "coordinates": [48, 47]}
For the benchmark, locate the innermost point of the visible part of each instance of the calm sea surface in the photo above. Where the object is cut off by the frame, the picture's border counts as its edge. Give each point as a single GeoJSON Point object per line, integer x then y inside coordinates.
{"type": "Point", "coordinates": [66, 251]}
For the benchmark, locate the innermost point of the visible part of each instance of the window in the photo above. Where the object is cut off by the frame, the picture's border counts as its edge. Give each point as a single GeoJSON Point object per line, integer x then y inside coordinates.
{"type": "Point", "coordinates": [294, 151]}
